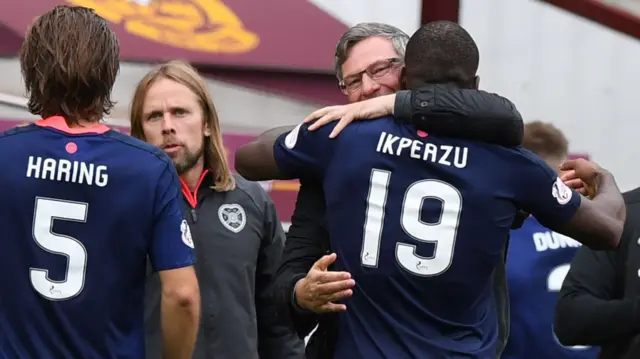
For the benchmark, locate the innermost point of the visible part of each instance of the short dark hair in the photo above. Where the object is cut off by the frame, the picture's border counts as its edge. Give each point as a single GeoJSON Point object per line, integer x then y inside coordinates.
{"type": "Point", "coordinates": [545, 140]}
{"type": "Point", "coordinates": [441, 52]}
{"type": "Point", "coordinates": [69, 61]}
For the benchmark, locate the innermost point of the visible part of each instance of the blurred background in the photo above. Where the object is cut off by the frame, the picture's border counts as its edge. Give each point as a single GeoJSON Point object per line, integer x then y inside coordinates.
{"type": "Point", "coordinates": [269, 63]}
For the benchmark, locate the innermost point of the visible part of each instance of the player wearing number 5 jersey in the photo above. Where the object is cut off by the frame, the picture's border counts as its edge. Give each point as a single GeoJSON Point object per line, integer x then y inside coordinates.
{"type": "Point", "coordinates": [420, 221]}
{"type": "Point", "coordinates": [537, 263]}
{"type": "Point", "coordinates": [82, 209]}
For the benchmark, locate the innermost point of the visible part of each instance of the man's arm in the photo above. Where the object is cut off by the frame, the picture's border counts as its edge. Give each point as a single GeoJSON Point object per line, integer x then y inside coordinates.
{"type": "Point", "coordinates": [446, 110]}
{"type": "Point", "coordinates": [275, 339]}
{"type": "Point", "coordinates": [307, 241]}
{"type": "Point", "coordinates": [443, 110]}
{"type": "Point", "coordinates": [254, 161]}
{"type": "Point", "coordinates": [590, 309]}
{"type": "Point", "coordinates": [180, 306]}
{"type": "Point", "coordinates": [171, 254]}
{"type": "Point", "coordinates": [278, 155]}
{"type": "Point", "coordinates": [438, 109]}
{"type": "Point", "coordinates": [597, 223]}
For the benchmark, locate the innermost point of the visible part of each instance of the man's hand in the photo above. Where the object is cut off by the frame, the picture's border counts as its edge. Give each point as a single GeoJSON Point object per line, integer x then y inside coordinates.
{"type": "Point", "coordinates": [320, 288]}
{"type": "Point", "coordinates": [572, 181]}
{"type": "Point", "coordinates": [364, 110]}
{"type": "Point", "coordinates": [581, 175]}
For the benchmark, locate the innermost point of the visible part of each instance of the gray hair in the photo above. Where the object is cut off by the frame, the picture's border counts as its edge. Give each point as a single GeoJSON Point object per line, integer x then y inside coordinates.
{"type": "Point", "coordinates": [366, 30]}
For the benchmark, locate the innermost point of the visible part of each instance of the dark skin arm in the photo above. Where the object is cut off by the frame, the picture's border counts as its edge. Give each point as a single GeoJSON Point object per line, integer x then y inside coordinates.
{"type": "Point", "coordinates": [255, 161]}
{"type": "Point", "coordinates": [599, 222]}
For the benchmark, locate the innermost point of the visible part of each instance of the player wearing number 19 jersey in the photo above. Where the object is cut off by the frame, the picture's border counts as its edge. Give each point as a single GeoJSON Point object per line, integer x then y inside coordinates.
{"type": "Point", "coordinates": [419, 221]}
{"type": "Point", "coordinates": [83, 207]}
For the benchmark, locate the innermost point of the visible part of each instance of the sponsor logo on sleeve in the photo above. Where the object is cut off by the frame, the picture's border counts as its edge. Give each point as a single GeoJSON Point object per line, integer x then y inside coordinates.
{"type": "Point", "coordinates": [561, 192]}
{"type": "Point", "coordinates": [292, 138]}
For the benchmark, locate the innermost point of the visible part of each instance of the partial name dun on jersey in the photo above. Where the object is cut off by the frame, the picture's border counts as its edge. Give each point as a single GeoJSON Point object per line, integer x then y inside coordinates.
{"type": "Point", "coordinates": [63, 170]}
{"type": "Point", "coordinates": [444, 155]}
{"type": "Point", "coordinates": [549, 240]}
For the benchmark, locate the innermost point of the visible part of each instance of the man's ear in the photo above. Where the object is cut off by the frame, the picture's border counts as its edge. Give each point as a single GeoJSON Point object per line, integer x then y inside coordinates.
{"type": "Point", "coordinates": [207, 129]}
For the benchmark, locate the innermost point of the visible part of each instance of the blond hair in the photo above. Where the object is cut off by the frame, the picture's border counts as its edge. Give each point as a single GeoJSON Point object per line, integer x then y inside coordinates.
{"type": "Point", "coordinates": [215, 155]}
{"type": "Point", "coordinates": [545, 140]}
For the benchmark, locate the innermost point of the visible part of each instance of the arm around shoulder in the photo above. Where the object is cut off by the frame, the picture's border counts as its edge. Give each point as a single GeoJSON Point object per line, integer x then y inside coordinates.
{"type": "Point", "coordinates": [297, 153]}
{"type": "Point", "coordinates": [447, 110]}
{"type": "Point", "coordinates": [254, 160]}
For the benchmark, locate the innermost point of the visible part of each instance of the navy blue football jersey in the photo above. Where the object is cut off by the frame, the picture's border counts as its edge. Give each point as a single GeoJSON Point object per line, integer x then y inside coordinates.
{"type": "Point", "coordinates": [420, 223]}
{"type": "Point", "coordinates": [537, 262]}
{"type": "Point", "coordinates": [80, 212]}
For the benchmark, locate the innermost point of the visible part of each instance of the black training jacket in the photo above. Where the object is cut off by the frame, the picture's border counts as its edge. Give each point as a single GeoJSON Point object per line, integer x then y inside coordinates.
{"type": "Point", "coordinates": [599, 303]}
{"type": "Point", "coordinates": [238, 243]}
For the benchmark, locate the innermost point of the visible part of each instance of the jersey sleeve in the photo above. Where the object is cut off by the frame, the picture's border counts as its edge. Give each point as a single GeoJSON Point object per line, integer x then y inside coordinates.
{"type": "Point", "coordinates": [301, 152]}
{"type": "Point", "coordinates": [171, 245]}
{"type": "Point", "coordinates": [542, 193]}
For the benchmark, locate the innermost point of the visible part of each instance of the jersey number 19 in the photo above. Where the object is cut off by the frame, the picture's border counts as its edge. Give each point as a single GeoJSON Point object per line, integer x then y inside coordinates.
{"type": "Point", "coordinates": [441, 233]}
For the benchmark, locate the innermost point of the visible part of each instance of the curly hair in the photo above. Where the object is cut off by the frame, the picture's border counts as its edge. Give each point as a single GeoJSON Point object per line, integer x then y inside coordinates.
{"type": "Point", "coordinates": [441, 52]}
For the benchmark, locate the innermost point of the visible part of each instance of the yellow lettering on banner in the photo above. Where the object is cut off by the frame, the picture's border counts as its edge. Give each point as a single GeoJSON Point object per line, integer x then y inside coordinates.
{"type": "Point", "coordinates": [288, 186]}
{"type": "Point", "coordinates": [198, 25]}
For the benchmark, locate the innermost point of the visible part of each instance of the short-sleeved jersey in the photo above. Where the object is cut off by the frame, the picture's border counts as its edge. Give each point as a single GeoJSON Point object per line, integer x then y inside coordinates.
{"type": "Point", "coordinates": [80, 212]}
{"type": "Point", "coordinates": [420, 222]}
{"type": "Point", "coordinates": [537, 262]}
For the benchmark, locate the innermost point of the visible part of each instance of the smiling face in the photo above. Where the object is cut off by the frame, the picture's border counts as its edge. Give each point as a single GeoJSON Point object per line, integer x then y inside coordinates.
{"type": "Point", "coordinates": [173, 120]}
{"type": "Point", "coordinates": [371, 54]}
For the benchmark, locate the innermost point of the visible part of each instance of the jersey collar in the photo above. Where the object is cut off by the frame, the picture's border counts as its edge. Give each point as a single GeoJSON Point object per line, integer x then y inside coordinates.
{"type": "Point", "coordinates": [192, 198]}
{"type": "Point", "coordinates": [60, 124]}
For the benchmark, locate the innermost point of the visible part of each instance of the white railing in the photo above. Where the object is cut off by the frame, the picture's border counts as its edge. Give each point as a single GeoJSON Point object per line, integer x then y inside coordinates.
{"type": "Point", "coordinates": [21, 102]}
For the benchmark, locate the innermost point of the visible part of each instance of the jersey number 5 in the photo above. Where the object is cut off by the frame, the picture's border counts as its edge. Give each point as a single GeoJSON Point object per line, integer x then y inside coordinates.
{"type": "Point", "coordinates": [46, 211]}
{"type": "Point", "coordinates": [441, 233]}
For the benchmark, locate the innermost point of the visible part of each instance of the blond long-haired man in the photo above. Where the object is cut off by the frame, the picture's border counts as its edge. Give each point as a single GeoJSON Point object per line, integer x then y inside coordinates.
{"type": "Point", "coordinates": [236, 230]}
